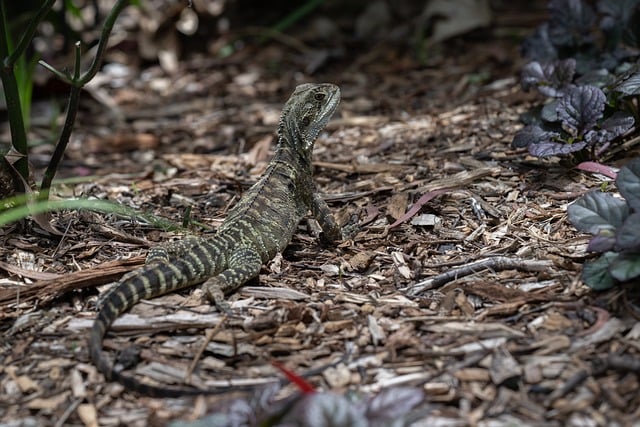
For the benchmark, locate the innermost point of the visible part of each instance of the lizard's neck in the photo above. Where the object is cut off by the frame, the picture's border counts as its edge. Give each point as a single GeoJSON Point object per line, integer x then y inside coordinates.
{"type": "Point", "coordinates": [290, 149]}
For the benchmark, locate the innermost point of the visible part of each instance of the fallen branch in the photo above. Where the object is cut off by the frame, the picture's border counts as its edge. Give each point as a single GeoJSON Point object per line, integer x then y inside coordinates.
{"type": "Point", "coordinates": [497, 263]}
{"type": "Point", "coordinates": [47, 290]}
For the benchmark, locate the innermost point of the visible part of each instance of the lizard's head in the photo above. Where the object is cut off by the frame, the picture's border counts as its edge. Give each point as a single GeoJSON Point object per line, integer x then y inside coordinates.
{"type": "Point", "coordinates": [307, 112]}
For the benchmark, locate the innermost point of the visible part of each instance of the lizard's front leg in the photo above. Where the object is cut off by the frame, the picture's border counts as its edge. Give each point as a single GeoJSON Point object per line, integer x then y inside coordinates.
{"type": "Point", "coordinates": [321, 212]}
{"type": "Point", "coordinates": [242, 265]}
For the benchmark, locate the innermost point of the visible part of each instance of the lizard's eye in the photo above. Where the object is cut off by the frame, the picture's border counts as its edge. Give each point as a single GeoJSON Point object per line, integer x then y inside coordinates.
{"type": "Point", "coordinates": [319, 96]}
{"type": "Point", "coordinates": [305, 121]}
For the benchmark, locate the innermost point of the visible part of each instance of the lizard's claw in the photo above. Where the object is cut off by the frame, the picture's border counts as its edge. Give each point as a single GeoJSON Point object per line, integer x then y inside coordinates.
{"type": "Point", "coordinates": [213, 290]}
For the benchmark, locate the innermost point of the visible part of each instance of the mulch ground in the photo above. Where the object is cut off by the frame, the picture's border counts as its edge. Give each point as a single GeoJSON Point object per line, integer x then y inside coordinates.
{"type": "Point", "coordinates": [474, 297]}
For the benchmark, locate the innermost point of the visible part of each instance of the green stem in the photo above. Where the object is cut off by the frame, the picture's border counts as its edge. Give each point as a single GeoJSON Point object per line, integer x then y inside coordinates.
{"type": "Point", "coordinates": [77, 82]}
{"type": "Point", "coordinates": [296, 15]}
{"type": "Point", "coordinates": [62, 76]}
{"type": "Point", "coordinates": [292, 18]}
{"type": "Point", "coordinates": [61, 146]}
{"type": "Point", "coordinates": [104, 39]}
{"type": "Point", "coordinates": [27, 36]}
{"type": "Point", "coordinates": [12, 97]}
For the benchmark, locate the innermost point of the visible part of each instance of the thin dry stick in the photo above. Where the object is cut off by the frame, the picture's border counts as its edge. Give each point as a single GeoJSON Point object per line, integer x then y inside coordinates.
{"type": "Point", "coordinates": [207, 339]}
{"type": "Point", "coordinates": [497, 263]}
{"type": "Point", "coordinates": [572, 382]}
{"type": "Point", "coordinates": [622, 363]}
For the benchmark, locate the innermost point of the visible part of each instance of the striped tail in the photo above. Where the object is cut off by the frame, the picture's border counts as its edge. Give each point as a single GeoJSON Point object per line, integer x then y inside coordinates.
{"type": "Point", "coordinates": [147, 282]}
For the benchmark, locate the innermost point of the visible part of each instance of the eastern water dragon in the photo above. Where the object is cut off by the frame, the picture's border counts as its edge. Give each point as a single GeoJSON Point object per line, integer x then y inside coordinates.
{"type": "Point", "coordinates": [258, 227]}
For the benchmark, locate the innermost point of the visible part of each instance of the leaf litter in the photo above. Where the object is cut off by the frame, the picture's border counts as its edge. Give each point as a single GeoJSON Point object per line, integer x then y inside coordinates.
{"type": "Point", "coordinates": [510, 336]}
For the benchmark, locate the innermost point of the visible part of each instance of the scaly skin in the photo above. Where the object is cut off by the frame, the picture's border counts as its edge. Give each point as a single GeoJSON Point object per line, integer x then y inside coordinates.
{"type": "Point", "coordinates": [256, 229]}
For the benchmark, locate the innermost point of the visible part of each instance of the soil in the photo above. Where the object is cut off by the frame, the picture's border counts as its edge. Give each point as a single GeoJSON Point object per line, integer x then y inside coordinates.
{"type": "Point", "coordinates": [462, 280]}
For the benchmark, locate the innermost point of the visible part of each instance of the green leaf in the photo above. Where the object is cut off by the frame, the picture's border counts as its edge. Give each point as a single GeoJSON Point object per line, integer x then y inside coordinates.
{"type": "Point", "coordinates": [625, 267]}
{"type": "Point", "coordinates": [17, 208]}
{"type": "Point", "coordinates": [628, 182]}
{"type": "Point", "coordinates": [628, 235]}
{"type": "Point", "coordinates": [596, 274]}
{"type": "Point", "coordinates": [72, 9]}
{"type": "Point", "coordinates": [596, 212]}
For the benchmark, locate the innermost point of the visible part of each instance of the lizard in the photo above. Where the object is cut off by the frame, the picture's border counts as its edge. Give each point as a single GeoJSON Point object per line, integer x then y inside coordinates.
{"type": "Point", "coordinates": [258, 227]}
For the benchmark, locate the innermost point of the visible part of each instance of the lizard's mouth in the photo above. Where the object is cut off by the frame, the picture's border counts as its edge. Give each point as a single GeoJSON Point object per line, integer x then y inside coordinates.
{"type": "Point", "coordinates": [333, 101]}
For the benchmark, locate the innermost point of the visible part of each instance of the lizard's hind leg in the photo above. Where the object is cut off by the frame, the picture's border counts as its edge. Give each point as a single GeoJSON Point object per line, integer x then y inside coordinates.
{"type": "Point", "coordinates": [165, 251]}
{"type": "Point", "coordinates": [242, 265]}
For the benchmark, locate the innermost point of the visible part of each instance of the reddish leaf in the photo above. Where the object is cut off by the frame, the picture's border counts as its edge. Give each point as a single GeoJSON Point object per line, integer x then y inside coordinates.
{"type": "Point", "coordinates": [296, 379]}
{"type": "Point", "coordinates": [415, 208]}
{"type": "Point", "coordinates": [597, 168]}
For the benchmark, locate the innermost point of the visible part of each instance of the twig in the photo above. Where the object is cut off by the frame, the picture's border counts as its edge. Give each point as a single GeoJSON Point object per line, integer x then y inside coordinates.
{"type": "Point", "coordinates": [574, 381]}
{"type": "Point", "coordinates": [616, 362]}
{"type": "Point", "coordinates": [497, 263]}
{"type": "Point", "coordinates": [207, 339]}
{"type": "Point", "coordinates": [67, 413]}
{"type": "Point", "coordinates": [603, 317]}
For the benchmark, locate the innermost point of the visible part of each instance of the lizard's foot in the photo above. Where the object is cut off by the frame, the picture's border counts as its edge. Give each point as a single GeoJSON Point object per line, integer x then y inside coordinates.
{"type": "Point", "coordinates": [213, 290]}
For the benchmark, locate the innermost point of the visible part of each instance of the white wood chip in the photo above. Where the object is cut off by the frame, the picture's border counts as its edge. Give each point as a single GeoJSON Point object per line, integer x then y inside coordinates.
{"type": "Point", "coordinates": [377, 333]}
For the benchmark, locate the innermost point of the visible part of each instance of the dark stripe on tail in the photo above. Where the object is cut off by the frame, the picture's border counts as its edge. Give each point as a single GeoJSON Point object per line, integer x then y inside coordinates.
{"type": "Point", "coordinates": [145, 284]}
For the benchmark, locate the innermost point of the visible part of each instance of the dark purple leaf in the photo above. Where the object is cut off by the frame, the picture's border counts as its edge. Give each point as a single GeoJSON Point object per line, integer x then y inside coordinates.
{"type": "Point", "coordinates": [601, 244]}
{"type": "Point", "coordinates": [549, 112]}
{"type": "Point", "coordinates": [533, 73]}
{"type": "Point", "coordinates": [570, 22]}
{"type": "Point", "coordinates": [631, 34]}
{"type": "Point", "coordinates": [580, 109]}
{"type": "Point", "coordinates": [600, 77]}
{"type": "Point", "coordinates": [324, 410]}
{"type": "Point", "coordinates": [532, 134]}
{"type": "Point", "coordinates": [600, 137]}
{"type": "Point", "coordinates": [619, 10]}
{"type": "Point", "coordinates": [598, 213]}
{"type": "Point", "coordinates": [630, 85]}
{"type": "Point", "coordinates": [538, 46]}
{"type": "Point", "coordinates": [596, 274]}
{"type": "Point", "coordinates": [238, 413]}
{"type": "Point", "coordinates": [547, 149]}
{"type": "Point", "coordinates": [628, 235]}
{"type": "Point", "coordinates": [550, 79]}
{"type": "Point", "coordinates": [596, 137]}
{"type": "Point", "coordinates": [619, 123]}
{"type": "Point", "coordinates": [615, 17]}
{"type": "Point", "coordinates": [393, 403]}
{"type": "Point", "coordinates": [628, 183]}
{"type": "Point", "coordinates": [564, 72]}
